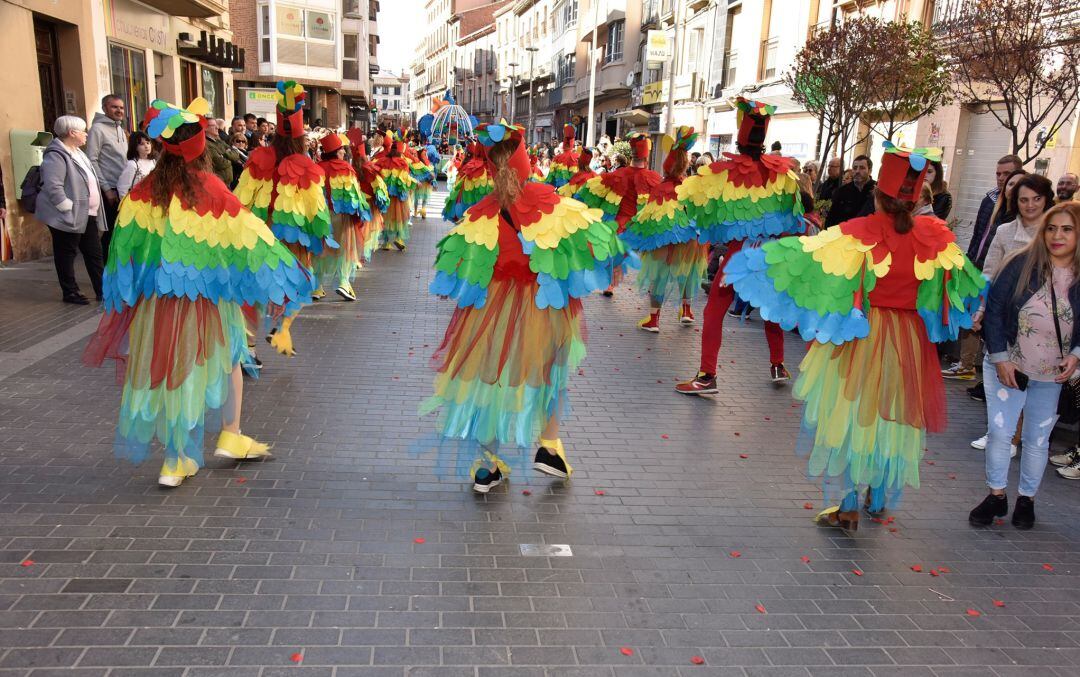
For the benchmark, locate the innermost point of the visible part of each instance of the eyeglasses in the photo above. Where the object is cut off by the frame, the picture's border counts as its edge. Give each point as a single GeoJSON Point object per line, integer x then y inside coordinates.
{"type": "Point", "coordinates": [240, 142]}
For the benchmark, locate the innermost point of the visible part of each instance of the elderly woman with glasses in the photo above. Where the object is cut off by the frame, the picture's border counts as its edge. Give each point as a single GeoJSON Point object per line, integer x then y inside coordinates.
{"type": "Point", "coordinates": [72, 205]}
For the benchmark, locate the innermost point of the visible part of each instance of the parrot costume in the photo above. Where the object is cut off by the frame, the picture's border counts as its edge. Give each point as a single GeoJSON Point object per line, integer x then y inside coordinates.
{"type": "Point", "coordinates": [565, 163]}
{"type": "Point", "coordinates": [474, 182]}
{"type": "Point", "coordinates": [349, 212]}
{"type": "Point", "coordinates": [394, 168]}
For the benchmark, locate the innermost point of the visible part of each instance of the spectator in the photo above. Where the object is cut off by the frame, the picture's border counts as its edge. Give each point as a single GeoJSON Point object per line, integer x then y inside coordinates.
{"type": "Point", "coordinates": [251, 123]}
{"type": "Point", "coordinates": [240, 145]}
{"type": "Point", "coordinates": [221, 154]}
{"type": "Point", "coordinates": [238, 126]}
{"type": "Point", "coordinates": [1030, 336]}
{"type": "Point", "coordinates": [263, 126]}
{"type": "Point", "coordinates": [141, 160]}
{"type": "Point", "coordinates": [935, 178]}
{"type": "Point", "coordinates": [256, 141]}
{"type": "Point", "coordinates": [856, 198]}
{"type": "Point", "coordinates": [272, 128]}
{"type": "Point", "coordinates": [811, 170]}
{"type": "Point", "coordinates": [833, 175]}
{"type": "Point", "coordinates": [925, 205]}
{"type": "Point", "coordinates": [222, 130]}
{"type": "Point", "coordinates": [775, 148]}
{"type": "Point", "coordinates": [106, 146]}
{"type": "Point", "coordinates": [693, 161]}
{"type": "Point", "coordinates": [1005, 208]}
{"type": "Point", "coordinates": [1067, 186]}
{"type": "Point", "coordinates": [846, 180]}
{"type": "Point", "coordinates": [980, 241]}
{"type": "Point", "coordinates": [806, 194]}
{"type": "Point", "coordinates": [71, 204]}
{"type": "Point", "coordinates": [1032, 195]}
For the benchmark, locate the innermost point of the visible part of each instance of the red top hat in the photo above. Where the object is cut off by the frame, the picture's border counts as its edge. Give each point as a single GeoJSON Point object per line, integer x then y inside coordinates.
{"type": "Point", "coordinates": [356, 137]}
{"type": "Point", "coordinates": [331, 143]}
{"type": "Point", "coordinates": [640, 145]}
{"type": "Point", "coordinates": [903, 170]}
{"type": "Point", "coordinates": [290, 109]}
{"type": "Point", "coordinates": [753, 120]}
{"type": "Point", "coordinates": [568, 137]}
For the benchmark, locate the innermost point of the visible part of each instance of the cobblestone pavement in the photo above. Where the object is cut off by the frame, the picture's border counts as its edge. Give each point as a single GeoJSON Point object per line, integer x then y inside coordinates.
{"type": "Point", "coordinates": [693, 551]}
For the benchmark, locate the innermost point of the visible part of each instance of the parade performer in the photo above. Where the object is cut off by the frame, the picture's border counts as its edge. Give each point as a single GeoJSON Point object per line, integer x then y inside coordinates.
{"type": "Point", "coordinates": [186, 255]}
{"type": "Point", "coordinates": [452, 169]}
{"type": "Point", "coordinates": [621, 193]}
{"type": "Point", "coordinates": [565, 163]}
{"type": "Point", "coordinates": [872, 294]}
{"type": "Point", "coordinates": [474, 182]}
{"type": "Point", "coordinates": [424, 172]}
{"type": "Point", "coordinates": [584, 173]}
{"type": "Point", "coordinates": [284, 187]}
{"type": "Point", "coordinates": [741, 199]}
{"type": "Point", "coordinates": [393, 167]}
{"type": "Point", "coordinates": [349, 212]}
{"type": "Point", "coordinates": [517, 266]}
{"type": "Point", "coordinates": [374, 190]}
{"type": "Point", "coordinates": [671, 256]}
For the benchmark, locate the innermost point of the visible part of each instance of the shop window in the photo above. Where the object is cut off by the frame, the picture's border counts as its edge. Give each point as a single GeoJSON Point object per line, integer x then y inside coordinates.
{"type": "Point", "coordinates": [127, 70]}
{"type": "Point", "coordinates": [212, 91]}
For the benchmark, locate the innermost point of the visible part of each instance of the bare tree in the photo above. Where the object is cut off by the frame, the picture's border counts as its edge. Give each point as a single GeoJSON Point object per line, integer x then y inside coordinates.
{"type": "Point", "coordinates": [1018, 61]}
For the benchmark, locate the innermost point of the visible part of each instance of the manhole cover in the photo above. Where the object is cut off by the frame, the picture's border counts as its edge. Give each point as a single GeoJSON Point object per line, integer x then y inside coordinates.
{"type": "Point", "coordinates": [542, 550]}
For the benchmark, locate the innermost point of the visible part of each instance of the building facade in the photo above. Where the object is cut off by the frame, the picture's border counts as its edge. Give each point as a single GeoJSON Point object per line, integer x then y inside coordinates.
{"type": "Point", "coordinates": [391, 98]}
{"type": "Point", "coordinates": [477, 85]}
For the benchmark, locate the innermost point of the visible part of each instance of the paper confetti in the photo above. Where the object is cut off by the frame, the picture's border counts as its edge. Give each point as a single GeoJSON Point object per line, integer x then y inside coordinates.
{"type": "Point", "coordinates": [1048, 567]}
{"type": "Point", "coordinates": [27, 563]}
{"type": "Point", "coordinates": [999, 603]}
{"type": "Point", "coordinates": [599, 492]}
{"type": "Point", "coordinates": [805, 559]}
{"type": "Point", "coordinates": [917, 568]}
{"type": "Point", "coordinates": [857, 572]}
{"type": "Point", "coordinates": [974, 612]}
{"type": "Point", "coordinates": [626, 651]}
{"type": "Point", "coordinates": [736, 554]}
{"type": "Point", "coordinates": [663, 437]}
{"type": "Point", "coordinates": [742, 455]}
{"type": "Point", "coordinates": [526, 492]}
{"type": "Point", "coordinates": [945, 570]}
{"type": "Point", "coordinates": [241, 480]}
{"type": "Point", "coordinates": [760, 608]}
{"type": "Point", "coordinates": [419, 539]}
{"type": "Point", "coordinates": [808, 506]}
{"type": "Point", "coordinates": [296, 657]}
{"type": "Point", "coordinates": [697, 660]}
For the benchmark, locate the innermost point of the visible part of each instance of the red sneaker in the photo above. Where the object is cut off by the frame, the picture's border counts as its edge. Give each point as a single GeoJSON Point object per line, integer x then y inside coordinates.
{"type": "Point", "coordinates": [686, 316]}
{"type": "Point", "coordinates": [702, 384]}
{"type": "Point", "coordinates": [651, 323]}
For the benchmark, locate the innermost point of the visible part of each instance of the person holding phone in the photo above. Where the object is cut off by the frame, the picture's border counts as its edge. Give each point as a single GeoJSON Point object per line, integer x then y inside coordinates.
{"type": "Point", "coordinates": [1033, 345]}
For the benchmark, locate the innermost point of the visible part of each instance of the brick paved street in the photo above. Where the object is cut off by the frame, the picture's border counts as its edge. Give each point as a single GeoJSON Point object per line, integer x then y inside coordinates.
{"type": "Point", "coordinates": [686, 521]}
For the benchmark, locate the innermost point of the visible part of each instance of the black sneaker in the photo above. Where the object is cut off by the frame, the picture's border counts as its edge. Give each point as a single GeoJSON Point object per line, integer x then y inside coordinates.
{"type": "Point", "coordinates": [1024, 513]}
{"type": "Point", "coordinates": [608, 293]}
{"type": "Point", "coordinates": [977, 392]}
{"type": "Point", "coordinates": [992, 506]}
{"type": "Point", "coordinates": [779, 373]}
{"type": "Point", "coordinates": [485, 479]}
{"type": "Point", "coordinates": [550, 463]}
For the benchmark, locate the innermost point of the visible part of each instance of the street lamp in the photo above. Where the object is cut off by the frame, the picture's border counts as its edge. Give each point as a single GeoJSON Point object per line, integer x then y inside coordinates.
{"type": "Point", "coordinates": [529, 130]}
{"type": "Point", "coordinates": [513, 89]}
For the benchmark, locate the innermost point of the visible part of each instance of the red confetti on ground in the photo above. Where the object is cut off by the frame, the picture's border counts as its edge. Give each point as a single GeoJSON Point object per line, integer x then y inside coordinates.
{"type": "Point", "coordinates": [760, 608]}
{"type": "Point", "coordinates": [805, 559]}
{"type": "Point", "coordinates": [930, 463]}
{"type": "Point", "coordinates": [893, 530]}
{"type": "Point", "coordinates": [857, 572]}
{"type": "Point", "coordinates": [663, 437]}
{"type": "Point", "coordinates": [808, 506]}
{"type": "Point", "coordinates": [599, 492]}
{"type": "Point", "coordinates": [737, 434]}
{"type": "Point", "coordinates": [659, 380]}
{"type": "Point", "coordinates": [626, 651]}
{"type": "Point", "coordinates": [767, 418]}
{"type": "Point", "coordinates": [241, 480]}
{"type": "Point", "coordinates": [934, 572]}
{"type": "Point", "coordinates": [526, 492]}
{"type": "Point", "coordinates": [697, 660]}
{"type": "Point", "coordinates": [877, 520]}
{"type": "Point", "coordinates": [1048, 567]}
{"type": "Point", "coordinates": [419, 539]}
{"type": "Point", "coordinates": [397, 378]}
{"type": "Point", "coordinates": [999, 603]}
{"type": "Point", "coordinates": [736, 554]}
{"type": "Point", "coordinates": [974, 612]}
{"type": "Point", "coordinates": [742, 455]}
{"type": "Point", "coordinates": [917, 568]}
{"type": "Point", "coordinates": [27, 563]}
{"type": "Point", "coordinates": [296, 657]}
{"type": "Point", "coordinates": [952, 476]}
{"type": "Point", "coordinates": [580, 372]}
{"type": "Point", "coordinates": [999, 522]}
{"type": "Point", "coordinates": [945, 570]}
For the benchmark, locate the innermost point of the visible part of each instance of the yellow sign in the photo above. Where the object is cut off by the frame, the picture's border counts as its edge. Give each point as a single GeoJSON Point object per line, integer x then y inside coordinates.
{"type": "Point", "coordinates": [654, 92]}
{"type": "Point", "coordinates": [658, 47]}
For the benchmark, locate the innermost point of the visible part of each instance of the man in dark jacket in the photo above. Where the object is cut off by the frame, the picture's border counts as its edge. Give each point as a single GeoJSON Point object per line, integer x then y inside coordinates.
{"type": "Point", "coordinates": [222, 155]}
{"type": "Point", "coordinates": [834, 174]}
{"type": "Point", "coordinates": [980, 234]}
{"type": "Point", "coordinates": [855, 198]}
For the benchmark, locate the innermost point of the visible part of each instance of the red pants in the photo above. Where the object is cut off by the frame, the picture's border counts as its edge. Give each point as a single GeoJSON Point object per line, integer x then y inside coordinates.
{"type": "Point", "coordinates": [712, 332]}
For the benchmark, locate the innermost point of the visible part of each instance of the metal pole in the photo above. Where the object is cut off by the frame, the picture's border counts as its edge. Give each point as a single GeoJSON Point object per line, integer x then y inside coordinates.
{"type": "Point", "coordinates": [513, 90]}
{"type": "Point", "coordinates": [675, 41]}
{"type": "Point", "coordinates": [590, 135]}
{"type": "Point", "coordinates": [529, 134]}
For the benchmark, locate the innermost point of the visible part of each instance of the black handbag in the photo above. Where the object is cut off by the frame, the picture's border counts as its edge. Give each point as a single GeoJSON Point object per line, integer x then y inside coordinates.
{"type": "Point", "coordinates": [1069, 400]}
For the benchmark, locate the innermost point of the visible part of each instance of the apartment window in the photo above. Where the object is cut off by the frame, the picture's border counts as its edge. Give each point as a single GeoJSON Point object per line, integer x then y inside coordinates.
{"type": "Point", "coordinates": [305, 37]}
{"type": "Point", "coordinates": [571, 12]}
{"type": "Point", "coordinates": [264, 43]}
{"type": "Point", "coordinates": [731, 57]}
{"type": "Point", "coordinates": [769, 49]}
{"type": "Point", "coordinates": [693, 49]}
{"type": "Point", "coordinates": [350, 8]}
{"type": "Point", "coordinates": [350, 62]}
{"type": "Point", "coordinates": [614, 49]}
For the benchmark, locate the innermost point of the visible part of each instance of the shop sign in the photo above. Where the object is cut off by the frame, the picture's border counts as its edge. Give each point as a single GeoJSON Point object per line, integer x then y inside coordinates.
{"type": "Point", "coordinates": [259, 101]}
{"type": "Point", "coordinates": [320, 26]}
{"type": "Point", "coordinates": [290, 21]}
{"type": "Point", "coordinates": [137, 25]}
{"type": "Point", "coordinates": [654, 92]}
{"type": "Point", "coordinates": [657, 49]}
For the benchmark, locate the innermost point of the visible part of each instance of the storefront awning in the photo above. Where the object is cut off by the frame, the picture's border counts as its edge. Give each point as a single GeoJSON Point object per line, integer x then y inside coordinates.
{"type": "Point", "coordinates": [635, 116]}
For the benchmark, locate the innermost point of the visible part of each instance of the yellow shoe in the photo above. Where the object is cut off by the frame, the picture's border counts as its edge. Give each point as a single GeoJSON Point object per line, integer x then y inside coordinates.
{"type": "Point", "coordinates": [400, 244]}
{"type": "Point", "coordinates": [318, 294]}
{"type": "Point", "coordinates": [239, 447]}
{"type": "Point", "coordinates": [173, 474]}
{"type": "Point", "coordinates": [423, 212]}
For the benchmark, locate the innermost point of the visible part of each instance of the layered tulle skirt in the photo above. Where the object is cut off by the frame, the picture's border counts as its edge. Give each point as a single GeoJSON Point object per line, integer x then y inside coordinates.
{"type": "Point", "coordinates": [177, 357]}
{"type": "Point", "coordinates": [335, 267]}
{"type": "Point", "coordinates": [869, 403]}
{"type": "Point", "coordinates": [395, 222]}
{"type": "Point", "coordinates": [677, 268]}
{"type": "Point", "coordinates": [502, 371]}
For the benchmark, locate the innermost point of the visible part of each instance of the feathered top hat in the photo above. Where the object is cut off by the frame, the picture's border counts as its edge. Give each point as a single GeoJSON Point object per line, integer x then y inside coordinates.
{"type": "Point", "coordinates": [290, 97]}
{"type": "Point", "coordinates": [163, 119]}
{"type": "Point", "coordinates": [640, 145]}
{"type": "Point", "coordinates": [903, 170]}
{"type": "Point", "coordinates": [568, 137]}
{"type": "Point", "coordinates": [333, 142]}
{"type": "Point", "coordinates": [753, 120]}
{"type": "Point", "coordinates": [685, 137]}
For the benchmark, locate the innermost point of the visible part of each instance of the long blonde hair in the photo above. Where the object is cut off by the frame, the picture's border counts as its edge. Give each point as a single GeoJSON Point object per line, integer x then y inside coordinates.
{"type": "Point", "coordinates": [1036, 255]}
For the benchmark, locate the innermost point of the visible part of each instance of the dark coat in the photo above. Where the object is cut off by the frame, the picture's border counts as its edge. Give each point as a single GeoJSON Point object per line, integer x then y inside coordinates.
{"type": "Point", "coordinates": [849, 202]}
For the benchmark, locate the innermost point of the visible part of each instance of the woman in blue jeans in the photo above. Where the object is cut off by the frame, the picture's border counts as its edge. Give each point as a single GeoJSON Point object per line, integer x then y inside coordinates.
{"type": "Point", "coordinates": [1033, 345]}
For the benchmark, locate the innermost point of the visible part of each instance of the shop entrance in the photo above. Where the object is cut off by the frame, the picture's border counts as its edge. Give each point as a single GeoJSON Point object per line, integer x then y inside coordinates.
{"type": "Point", "coordinates": [48, 58]}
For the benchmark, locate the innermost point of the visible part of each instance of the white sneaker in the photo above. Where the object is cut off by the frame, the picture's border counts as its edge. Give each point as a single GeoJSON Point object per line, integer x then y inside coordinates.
{"type": "Point", "coordinates": [1071, 471]}
{"type": "Point", "coordinates": [170, 480]}
{"type": "Point", "coordinates": [1068, 458]}
{"type": "Point", "coordinates": [980, 443]}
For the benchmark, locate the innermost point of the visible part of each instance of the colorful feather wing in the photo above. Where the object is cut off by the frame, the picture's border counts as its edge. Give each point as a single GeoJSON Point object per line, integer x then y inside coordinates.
{"type": "Point", "coordinates": [563, 167]}
{"type": "Point", "coordinates": [344, 190]}
{"type": "Point", "coordinates": [952, 287]}
{"type": "Point", "coordinates": [466, 260]}
{"type": "Point", "coordinates": [215, 249]}
{"type": "Point", "coordinates": [741, 198]}
{"type": "Point", "coordinates": [819, 284]}
{"type": "Point", "coordinates": [256, 185]}
{"type": "Point", "coordinates": [300, 213]}
{"type": "Point", "coordinates": [399, 181]}
{"type": "Point", "coordinates": [660, 222]}
{"type": "Point", "coordinates": [474, 183]}
{"type": "Point", "coordinates": [603, 192]}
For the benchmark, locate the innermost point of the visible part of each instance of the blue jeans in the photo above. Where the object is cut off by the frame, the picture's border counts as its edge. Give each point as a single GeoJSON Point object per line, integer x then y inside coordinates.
{"type": "Point", "coordinates": [1003, 406]}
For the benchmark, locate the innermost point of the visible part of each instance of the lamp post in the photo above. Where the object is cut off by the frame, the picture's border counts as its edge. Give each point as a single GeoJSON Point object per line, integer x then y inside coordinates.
{"type": "Point", "coordinates": [675, 44]}
{"type": "Point", "coordinates": [529, 130]}
{"type": "Point", "coordinates": [513, 89]}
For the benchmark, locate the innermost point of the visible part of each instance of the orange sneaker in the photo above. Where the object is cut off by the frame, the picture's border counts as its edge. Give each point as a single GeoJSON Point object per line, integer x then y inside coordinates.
{"type": "Point", "coordinates": [651, 323]}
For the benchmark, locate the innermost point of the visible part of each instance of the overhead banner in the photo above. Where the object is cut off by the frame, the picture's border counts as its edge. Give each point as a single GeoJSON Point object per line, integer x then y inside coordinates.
{"type": "Point", "coordinates": [657, 49]}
